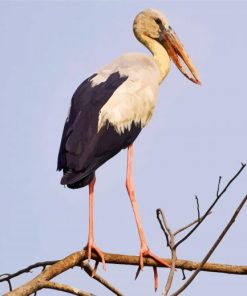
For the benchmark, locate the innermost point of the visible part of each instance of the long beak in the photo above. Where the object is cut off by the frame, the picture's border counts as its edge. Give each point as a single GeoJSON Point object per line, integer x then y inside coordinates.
{"type": "Point", "coordinates": [177, 53]}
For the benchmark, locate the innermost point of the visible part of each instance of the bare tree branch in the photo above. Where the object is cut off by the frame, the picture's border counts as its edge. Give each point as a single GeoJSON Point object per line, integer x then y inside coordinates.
{"type": "Point", "coordinates": [162, 226]}
{"type": "Point", "coordinates": [218, 187]}
{"type": "Point", "coordinates": [88, 269]}
{"type": "Point", "coordinates": [7, 279]}
{"type": "Point", "coordinates": [170, 236]}
{"type": "Point", "coordinates": [171, 243]}
{"type": "Point", "coordinates": [198, 208]}
{"type": "Point", "coordinates": [188, 225]}
{"type": "Point", "coordinates": [183, 273]}
{"type": "Point", "coordinates": [212, 205]}
{"type": "Point", "coordinates": [7, 276]}
{"type": "Point", "coordinates": [65, 288]}
{"type": "Point", "coordinates": [215, 245]}
{"type": "Point", "coordinates": [76, 258]}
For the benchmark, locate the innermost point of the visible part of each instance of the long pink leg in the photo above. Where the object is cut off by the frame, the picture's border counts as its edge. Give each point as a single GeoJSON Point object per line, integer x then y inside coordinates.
{"type": "Point", "coordinates": [91, 245]}
{"type": "Point", "coordinates": [144, 249]}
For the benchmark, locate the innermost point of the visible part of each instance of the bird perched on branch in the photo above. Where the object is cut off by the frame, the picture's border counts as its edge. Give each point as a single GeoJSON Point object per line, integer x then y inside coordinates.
{"type": "Point", "coordinates": [111, 107]}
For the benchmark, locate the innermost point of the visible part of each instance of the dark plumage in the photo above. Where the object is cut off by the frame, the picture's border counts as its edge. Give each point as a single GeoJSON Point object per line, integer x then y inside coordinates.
{"type": "Point", "coordinates": [82, 148]}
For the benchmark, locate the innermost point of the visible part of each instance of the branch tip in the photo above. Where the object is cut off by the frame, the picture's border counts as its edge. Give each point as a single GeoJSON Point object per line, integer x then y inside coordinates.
{"type": "Point", "coordinates": [198, 208]}
{"type": "Point", "coordinates": [184, 277]}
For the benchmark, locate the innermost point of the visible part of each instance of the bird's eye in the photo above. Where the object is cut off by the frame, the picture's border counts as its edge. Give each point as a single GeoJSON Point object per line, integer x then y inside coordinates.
{"type": "Point", "coordinates": [158, 21]}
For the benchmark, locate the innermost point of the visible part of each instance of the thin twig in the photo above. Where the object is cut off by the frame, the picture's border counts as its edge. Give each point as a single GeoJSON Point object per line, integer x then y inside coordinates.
{"type": "Point", "coordinates": [218, 187]}
{"type": "Point", "coordinates": [28, 269]}
{"type": "Point", "coordinates": [198, 208]}
{"type": "Point", "coordinates": [212, 205]}
{"type": "Point", "coordinates": [189, 225]}
{"type": "Point", "coordinates": [215, 245]}
{"type": "Point", "coordinates": [10, 285]}
{"type": "Point", "coordinates": [164, 226]}
{"type": "Point", "coordinates": [89, 270]}
{"type": "Point", "coordinates": [159, 212]}
{"type": "Point", "coordinates": [184, 277]}
{"type": "Point", "coordinates": [7, 280]}
{"type": "Point", "coordinates": [171, 243]}
{"type": "Point", "coordinates": [156, 278]}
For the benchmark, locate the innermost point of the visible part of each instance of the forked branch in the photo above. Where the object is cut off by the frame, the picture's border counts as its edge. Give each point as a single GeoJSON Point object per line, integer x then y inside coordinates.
{"type": "Point", "coordinates": [210, 252]}
{"type": "Point", "coordinates": [218, 196]}
{"type": "Point", "coordinates": [170, 235]}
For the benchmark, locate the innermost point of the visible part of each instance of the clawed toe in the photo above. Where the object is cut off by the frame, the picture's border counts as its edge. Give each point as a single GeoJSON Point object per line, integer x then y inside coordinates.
{"type": "Point", "coordinates": [92, 247]}
{"type": "Point", "coordinates": [145, 252]}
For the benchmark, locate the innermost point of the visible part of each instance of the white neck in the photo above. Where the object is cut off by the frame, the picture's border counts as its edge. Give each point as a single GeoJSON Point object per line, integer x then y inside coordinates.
{"type": "Point", "coordinates": [160, 55]}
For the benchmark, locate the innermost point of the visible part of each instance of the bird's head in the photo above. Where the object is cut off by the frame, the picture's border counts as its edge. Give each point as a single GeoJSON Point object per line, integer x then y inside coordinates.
{"type": "Point", "coordinates": [152, 24]}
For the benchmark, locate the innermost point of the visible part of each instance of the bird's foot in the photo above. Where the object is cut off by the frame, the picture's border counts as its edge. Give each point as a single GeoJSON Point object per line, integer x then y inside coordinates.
{"type": "Point", "coordinates": [145, 252]}
{"type": "Point", "coordinates": [91, 247]}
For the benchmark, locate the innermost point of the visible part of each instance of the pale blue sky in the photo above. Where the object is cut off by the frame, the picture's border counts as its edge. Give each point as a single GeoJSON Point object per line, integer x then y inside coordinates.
{"type": "Point", "coordinates": [197, 133]}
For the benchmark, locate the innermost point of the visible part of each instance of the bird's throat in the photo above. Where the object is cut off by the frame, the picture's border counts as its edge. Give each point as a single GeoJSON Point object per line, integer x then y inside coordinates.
{"type": "Point", "coordinates": [160, 55]}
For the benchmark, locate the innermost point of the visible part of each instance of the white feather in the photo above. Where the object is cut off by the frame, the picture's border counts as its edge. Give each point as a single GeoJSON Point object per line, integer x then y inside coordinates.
{"type": "Point", "coordinates": [134, 101]}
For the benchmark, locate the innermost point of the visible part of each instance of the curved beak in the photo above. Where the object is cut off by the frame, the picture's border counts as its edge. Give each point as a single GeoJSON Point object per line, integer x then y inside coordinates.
{"type": "Point", "coordinates": [176, 51]}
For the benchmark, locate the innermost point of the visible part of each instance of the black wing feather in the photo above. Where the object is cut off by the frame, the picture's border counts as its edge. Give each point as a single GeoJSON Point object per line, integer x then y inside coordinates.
{"type": "Point", "coordinates": [82, 148]}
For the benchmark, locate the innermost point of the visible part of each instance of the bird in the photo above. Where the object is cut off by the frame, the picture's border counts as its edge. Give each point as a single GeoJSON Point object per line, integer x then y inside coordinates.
{"type": "Point", "coordinates": [109, 110]}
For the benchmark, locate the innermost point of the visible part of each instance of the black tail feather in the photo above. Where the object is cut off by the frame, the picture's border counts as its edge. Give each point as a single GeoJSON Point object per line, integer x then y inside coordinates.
{"type": "Point", "coordinates": [75, 180]}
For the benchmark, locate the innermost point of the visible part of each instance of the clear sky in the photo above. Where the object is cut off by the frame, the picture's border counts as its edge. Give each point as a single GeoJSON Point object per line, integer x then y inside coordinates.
{"type": "Point", "coordinates": [196, 134]}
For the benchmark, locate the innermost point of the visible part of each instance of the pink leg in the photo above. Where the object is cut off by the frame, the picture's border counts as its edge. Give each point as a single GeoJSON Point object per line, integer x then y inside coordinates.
{"type": "Point", "coordinates": [90, 245]}
{"type": "Point", "coordinates": [144, 249]}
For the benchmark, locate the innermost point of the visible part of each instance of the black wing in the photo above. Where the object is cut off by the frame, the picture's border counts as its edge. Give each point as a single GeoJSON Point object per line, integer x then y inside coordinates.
{"type": "Point", "coordinates": [83, 149]}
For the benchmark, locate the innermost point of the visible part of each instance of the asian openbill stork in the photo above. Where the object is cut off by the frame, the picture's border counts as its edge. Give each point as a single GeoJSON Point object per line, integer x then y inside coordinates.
{"type": "Point", "coordinates": [110, 108]}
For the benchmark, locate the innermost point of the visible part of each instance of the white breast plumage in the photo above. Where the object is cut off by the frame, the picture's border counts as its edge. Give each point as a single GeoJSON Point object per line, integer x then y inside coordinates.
{"type": "Point", "coordinates": [134, 101]}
